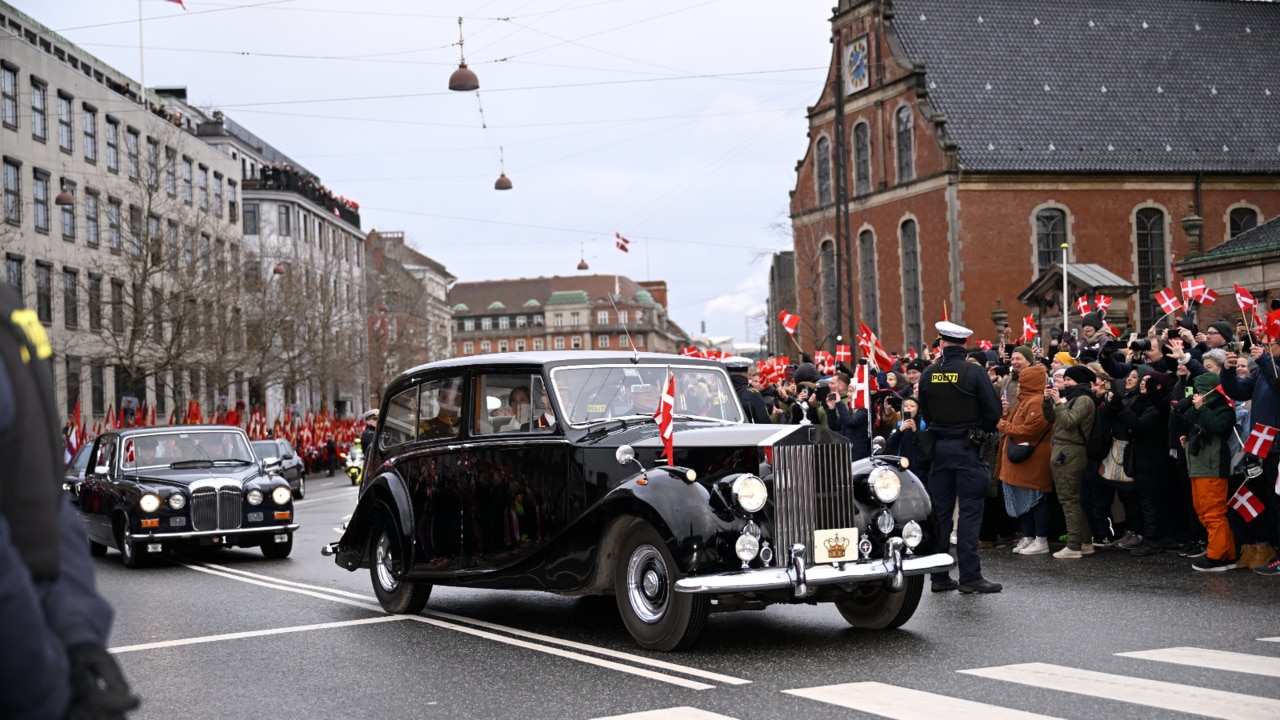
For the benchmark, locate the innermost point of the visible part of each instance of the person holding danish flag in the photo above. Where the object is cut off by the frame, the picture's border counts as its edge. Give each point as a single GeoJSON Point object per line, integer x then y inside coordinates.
{"type": "Point", "coordinates": [1259, 537]}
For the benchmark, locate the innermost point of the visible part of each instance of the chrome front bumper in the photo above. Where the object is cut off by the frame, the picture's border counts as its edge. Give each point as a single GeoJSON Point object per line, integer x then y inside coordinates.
{"type": "Point", "coordinates": [195, 534]}
{"type": "Point", "coordinates": [800, 578]}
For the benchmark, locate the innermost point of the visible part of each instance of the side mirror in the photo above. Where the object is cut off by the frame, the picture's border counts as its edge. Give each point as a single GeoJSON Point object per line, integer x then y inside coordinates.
{"type": "Point", "coordinates": [101, 470]}
{"type": "Point", "coordinates": [625, 454]}
{"type": "Point", "coordinates": [269, 463]}
{"type": "Point", "coordinates": [877, 445]}
{"type": "Point", "coordinates": [287, 457]}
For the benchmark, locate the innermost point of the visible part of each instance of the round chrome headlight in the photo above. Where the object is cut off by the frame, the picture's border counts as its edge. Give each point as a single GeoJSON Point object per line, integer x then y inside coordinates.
{"type": "Point", "coordinates": [884, 522]}
{"type": "Point", "coordinates": [750, 493]}
{"type": "Point", "coordinates": [177, 501]}
{"type": "Point", "coordinates": [282, 495]}
{"type": "Point", "coordinates": [747, 547]}
{"type": "Point", "coordinates": [254, 497]}
{"type": "Point", "coordinates": [912, 534]}
{"type": "Point", "coordinates": [149, 503]}
{"type": "Point", "coordinates": [885, 484]}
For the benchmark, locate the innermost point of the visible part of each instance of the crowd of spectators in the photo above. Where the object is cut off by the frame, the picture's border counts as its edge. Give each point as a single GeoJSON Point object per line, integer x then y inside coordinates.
{"type": "Point", "coordinates": [287, 177]}
{"type": "Point", "coordinates": [1147, 443]}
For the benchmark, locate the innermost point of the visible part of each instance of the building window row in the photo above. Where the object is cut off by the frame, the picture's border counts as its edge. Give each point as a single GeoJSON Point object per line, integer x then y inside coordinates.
{"type": "Point", "coordinates": [860, 151]}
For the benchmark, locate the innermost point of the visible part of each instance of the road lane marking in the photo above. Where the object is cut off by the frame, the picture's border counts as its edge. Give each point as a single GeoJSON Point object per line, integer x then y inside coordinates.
{"type": "Point", "coordinates": [1214, 659]}
{"type": "Point", "coordinates": [598, 662]}
{"type": "Point", "coordinates": [327, 594]}
{"type": "Point", "coordinates": [902, 703]}
{"type": "Point", "coordinates": [1274, 639]}
{"type": "Point", "coordinates": [675, 713]}
{"type": "Point", "coordinates": [1151, 693]}
{"type": "Point", "coordinates": [671, 667]}
{"type": "Point", "coordinates": [252, 634]}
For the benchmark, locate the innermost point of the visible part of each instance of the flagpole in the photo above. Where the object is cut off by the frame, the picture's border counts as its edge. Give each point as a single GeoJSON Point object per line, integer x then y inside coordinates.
{"type": "Point", "coordinates": [1066, 315]}
{"type": "Point", "coordinates": [142, 63]}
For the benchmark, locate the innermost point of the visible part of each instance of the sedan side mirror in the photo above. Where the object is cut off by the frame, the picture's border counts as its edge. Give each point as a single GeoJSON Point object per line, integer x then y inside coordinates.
{"type": "Point", "coordinates": [287, 457]}
{"type": "Point", "coordinates": [270, 462]}
{"type": "Point", "coordinates": [877, 445]}
{"type": "Point", "coordinates": [101, 470]}
{"type": "Point", "coordinates": [626, 454]}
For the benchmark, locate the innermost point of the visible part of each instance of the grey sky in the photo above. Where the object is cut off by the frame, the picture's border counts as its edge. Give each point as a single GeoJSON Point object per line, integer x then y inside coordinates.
{"type": "Point", "coordinates": [604, 128]}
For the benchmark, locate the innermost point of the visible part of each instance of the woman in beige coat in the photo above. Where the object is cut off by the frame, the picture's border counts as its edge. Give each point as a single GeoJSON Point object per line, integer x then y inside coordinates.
{"type": "Point", "coordinates": [1027, 482]}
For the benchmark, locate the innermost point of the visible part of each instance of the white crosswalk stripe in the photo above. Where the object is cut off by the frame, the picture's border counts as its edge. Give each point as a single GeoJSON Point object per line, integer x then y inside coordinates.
{"type": "Point", "coordinates": [675, 713]}
{"type": "Point", "coordinates": [1213, 659]}
{"type": "Point", "coordinates": [1139, 691]}
{"type": "Point", "coordinates": [901, 703]}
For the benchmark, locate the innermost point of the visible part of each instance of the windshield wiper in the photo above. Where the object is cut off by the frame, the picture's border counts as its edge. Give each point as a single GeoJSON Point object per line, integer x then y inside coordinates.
{"type": "Point", "coordinates": [237, 461]}
{"type": "Point", "coordinates": [190, 464]}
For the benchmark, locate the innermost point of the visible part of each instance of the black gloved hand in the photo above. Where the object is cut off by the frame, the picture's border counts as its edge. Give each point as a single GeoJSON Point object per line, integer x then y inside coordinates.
{"type": "Point", "coordinates": [98, 688]}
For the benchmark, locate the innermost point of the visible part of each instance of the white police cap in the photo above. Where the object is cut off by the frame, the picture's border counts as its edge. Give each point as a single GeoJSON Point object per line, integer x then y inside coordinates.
{"type": "Point", "coordinates": [952, 331]}
{"type": "Point", "coordinates": [737, 363]}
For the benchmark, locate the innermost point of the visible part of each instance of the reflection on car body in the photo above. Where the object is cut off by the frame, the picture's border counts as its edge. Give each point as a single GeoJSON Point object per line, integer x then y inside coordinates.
{"type": "Point", "coordinates": [151, 489]}
{"type": "Point", "coordinates": [465, 486]}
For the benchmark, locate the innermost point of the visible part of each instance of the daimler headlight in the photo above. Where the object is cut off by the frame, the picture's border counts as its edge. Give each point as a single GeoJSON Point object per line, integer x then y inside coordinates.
{"type": "Point", "coordinates": [254, 497]}
{"type": "Point", "coordinates": [282, 494]}
{"type": "Point", "coordinates": [177, 501]}
{"type": "Point", "coordinates": [149, 503]}
{"type": "Point", "coordinates": [749, 493]}
{"type": "Point", "coordinates": [912, 534]}
{"type": "Point", "coordinates": [885, 484]}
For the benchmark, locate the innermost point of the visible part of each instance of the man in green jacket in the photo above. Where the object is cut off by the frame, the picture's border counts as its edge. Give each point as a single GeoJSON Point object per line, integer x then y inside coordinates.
{"type": "Point", "coordinates": [1204, 429]}
{"type": "Point", "coordinates": [1071, 411]}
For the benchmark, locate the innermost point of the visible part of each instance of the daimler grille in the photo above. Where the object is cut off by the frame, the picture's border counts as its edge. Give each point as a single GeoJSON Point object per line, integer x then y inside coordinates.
{"type": "Point", "coordinates": [215, 508]}
{"type": "Point", "coordinates": [812, 490]}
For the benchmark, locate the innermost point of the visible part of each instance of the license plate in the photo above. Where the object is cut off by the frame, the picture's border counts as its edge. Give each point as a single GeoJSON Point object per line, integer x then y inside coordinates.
{"type": "Point", "coordinates": [154, 547]}
{"type": "Point", "coordinates": [282, 538]}
{"type": "Point", "coordinates": [837, 545]}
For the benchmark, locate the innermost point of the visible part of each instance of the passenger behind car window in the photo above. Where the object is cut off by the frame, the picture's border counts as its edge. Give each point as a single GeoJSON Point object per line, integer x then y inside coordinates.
{"type": "Point", "coordinates": [445, 398]}
{"type": "Point", "coordinates": [401, 419]}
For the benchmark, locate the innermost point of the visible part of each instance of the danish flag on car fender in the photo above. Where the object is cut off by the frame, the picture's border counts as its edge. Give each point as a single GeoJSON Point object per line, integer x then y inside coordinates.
{"type": "Point", "coordinates": [789, 322]}
{"type": "Point", "coordinates": [1169, 302]}
{"type": "Point", "coordinates": [1082, 304]}
{"type": "Point", "coordinates": [1247, 504]}
{"type": "Point", "coordinates": [1260, 440]}
{"type": "Point", "coordinates": [1244, 298]}
{"type": "Point", "coordinates": [663, 416]}
{"type": "Point", "coordinates": [1101, 303]}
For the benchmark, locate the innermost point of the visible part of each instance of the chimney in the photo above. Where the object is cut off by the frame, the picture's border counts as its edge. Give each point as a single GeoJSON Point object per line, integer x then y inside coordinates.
{"type": "Point", "coordinates": [656, 288]}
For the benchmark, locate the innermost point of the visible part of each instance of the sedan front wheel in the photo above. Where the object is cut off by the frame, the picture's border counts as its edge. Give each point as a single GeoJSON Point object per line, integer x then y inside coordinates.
{"type": "Point", "coordinates": [658, 617]}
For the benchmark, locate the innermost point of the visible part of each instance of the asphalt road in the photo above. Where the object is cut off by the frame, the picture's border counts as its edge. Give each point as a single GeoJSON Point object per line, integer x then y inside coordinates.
{"type": "Point", "coordinates": [232, 635]}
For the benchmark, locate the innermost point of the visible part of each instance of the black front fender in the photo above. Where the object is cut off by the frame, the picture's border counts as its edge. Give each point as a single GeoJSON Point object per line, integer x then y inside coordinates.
{"type": "Point", "coordinates": [388, 491]}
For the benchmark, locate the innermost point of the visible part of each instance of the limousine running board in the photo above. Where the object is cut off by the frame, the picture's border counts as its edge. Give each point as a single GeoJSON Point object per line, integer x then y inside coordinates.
{"type": "Point", "coordinates": [782, 578]}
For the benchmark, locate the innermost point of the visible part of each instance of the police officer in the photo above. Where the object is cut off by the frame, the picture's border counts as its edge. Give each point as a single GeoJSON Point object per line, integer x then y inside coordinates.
{"type": "Point", "coordinates": [959, 405]}
{"type": "Point", "coordinates": [53, 658]}
{"type": "Point", "coordinates": [752, 401]}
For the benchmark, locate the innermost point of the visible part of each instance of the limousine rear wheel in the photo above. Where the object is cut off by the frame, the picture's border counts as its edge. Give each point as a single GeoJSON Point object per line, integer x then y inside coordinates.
{"type": "Point", "coordinates": [875, 607]}
{"type": "Point", "coordinates": [395, 595]}
{"type": "Point", "coordinates": [658, 617]}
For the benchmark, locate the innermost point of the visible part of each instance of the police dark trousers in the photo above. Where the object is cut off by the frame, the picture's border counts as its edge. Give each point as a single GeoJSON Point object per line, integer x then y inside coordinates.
{"type": "Point", "coordinates": [957, 401]}
{"type": "Point", "coordinates": [752, 401]}
{"type": "Point", "coordinates": [53, 623]}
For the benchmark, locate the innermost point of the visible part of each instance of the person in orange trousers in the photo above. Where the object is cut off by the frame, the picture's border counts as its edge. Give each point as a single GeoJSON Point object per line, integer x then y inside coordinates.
{"type": "Point", "coordinates": [1204, 428]}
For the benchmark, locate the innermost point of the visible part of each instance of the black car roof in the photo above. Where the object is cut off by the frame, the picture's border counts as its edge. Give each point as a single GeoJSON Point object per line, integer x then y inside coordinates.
{"type": "Point", "coordinates": [129, 432]}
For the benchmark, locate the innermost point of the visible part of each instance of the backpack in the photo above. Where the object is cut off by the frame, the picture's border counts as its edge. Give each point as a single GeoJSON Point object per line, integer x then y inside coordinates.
{"type": "Point", "coordinates": [1098, 444]}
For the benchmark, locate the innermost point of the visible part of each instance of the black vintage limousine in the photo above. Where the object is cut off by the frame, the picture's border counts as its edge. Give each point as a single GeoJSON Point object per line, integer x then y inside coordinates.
{"type": "Point", "coordinates": [148, 490]}
{"type": "Point", "coordinates": [543, 471]}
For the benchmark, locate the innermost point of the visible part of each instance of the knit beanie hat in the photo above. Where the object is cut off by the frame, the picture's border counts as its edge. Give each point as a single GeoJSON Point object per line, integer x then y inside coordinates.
{"type": "Point", "coordinates": [1064, 358]}
{"type": "Point", "coordinates": [1026, 352]}
{"type": "Point", "coordinates": [1093, 320]}
{"type": "Point", "coordinates": [1224, 329]}
{"type": "Point", "coordinates": [1081, 374]}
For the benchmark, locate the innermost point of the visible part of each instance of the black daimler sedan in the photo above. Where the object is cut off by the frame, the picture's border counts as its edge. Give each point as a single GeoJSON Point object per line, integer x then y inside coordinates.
{"type": "Point", "coordinates": [147, 490]}
{"type": "Point", "coordinates": [281, 458]}
{"type": "Point", "coordinates": [543, 471]}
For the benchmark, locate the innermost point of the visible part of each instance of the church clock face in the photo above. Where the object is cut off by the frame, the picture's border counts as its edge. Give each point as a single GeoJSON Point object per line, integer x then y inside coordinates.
{"type": "Point", "coordinates": [857, 76]}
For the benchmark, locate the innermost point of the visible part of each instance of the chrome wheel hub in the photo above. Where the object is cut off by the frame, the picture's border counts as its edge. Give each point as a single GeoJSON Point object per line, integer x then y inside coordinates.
{"type": "Point", "coordinates": [648, 584]}
{"type": "Point", "coordinates": [384, 560]}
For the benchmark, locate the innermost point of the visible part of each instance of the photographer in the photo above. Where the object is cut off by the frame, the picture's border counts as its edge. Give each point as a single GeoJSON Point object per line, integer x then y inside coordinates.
{"type": "Point", "coordinates": [903, 440]}
{"type": "Point", "coordinates": [1146, 351]}
{"type": "Point", "coordinates": [852, 423]}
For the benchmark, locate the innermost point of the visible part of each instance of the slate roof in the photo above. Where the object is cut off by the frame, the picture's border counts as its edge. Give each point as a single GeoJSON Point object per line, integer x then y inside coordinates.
{"type": "Point", "coordinates": [1102, 85]}
{"type": "Point", "coordinates": [1256, 239]}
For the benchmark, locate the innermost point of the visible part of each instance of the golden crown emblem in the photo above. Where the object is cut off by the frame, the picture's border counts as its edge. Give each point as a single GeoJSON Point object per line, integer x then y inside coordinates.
{"type": "Point", "coordinates": [836, 546]}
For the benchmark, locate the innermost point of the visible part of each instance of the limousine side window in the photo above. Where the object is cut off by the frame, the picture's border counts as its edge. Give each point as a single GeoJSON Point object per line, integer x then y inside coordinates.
{"type": "Point", "coordinates": [440, 408]}
{"type": "Point", "coordinates": [511, 402]}
{"type": "Point", "coordinates": [401, 419]}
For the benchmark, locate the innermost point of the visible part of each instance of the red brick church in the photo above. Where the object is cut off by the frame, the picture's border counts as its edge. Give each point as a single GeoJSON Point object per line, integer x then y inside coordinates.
{"type": "Point", "coordinates": [958, 144]}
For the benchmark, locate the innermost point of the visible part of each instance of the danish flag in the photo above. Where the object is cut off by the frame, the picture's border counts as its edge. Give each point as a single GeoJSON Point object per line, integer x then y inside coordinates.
{"type": "Point", "coordinates": [1101, 303]}
{"type": "Point", "coordinates": [666, 407]}
{"type": "Point", "coordinates": [1082, 304]}
{"type": "Point", "coordinates": [983, 344]}
{"type": "Point", "coordinates": [179, 2]}
{"type": "Point", "coordinates": [1260, 440]}
{"type": "Point", "coordinates": [844, 353]}
{"type": "Point", "coordinates": [128, 452]}
{"type": "Point", "coordinates": [911, 352]}
{"type": "Point", "coordinates": [1110, 329]}
{"type": "Point", "coordinates": [1207, 297]}
{"type": "Point", "coordinates": [824, 361]}
{"type": "Point", "coordinates": [1273, 325]}
{"type": "Point", "coordinates": [872, 350]}
{"type": "Point", "coordinates": [1247, 504]}
{"type": "Point", "coordinates": [1029, 327]}
{"type": "Point", "coordinates": [622, 243]}
{"type": "Point", "coordinates": [1169, 302]}
{"type": "Point", "coordinates": [789, 322]}
{"type": "Point", "coordinates": [864, 383]}
{"type": "Point", "coordinates": [1223, 393]}
{"type": "Point", "coordinates": [1192, 289]}
{"type": "Point", "coordinates": [1244, 298]}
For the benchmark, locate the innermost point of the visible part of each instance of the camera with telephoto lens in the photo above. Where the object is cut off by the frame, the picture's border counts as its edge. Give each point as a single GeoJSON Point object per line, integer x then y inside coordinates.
{"type": "Point", "coordinates": [1140, 345]}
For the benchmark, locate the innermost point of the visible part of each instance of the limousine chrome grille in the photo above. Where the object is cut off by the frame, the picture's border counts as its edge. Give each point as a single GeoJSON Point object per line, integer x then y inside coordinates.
{"type": "Point", "coordinates": [216, 505]}
{"type": "Point", "coordinates": [812, 490]}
